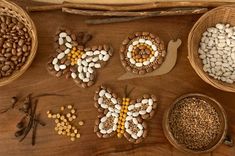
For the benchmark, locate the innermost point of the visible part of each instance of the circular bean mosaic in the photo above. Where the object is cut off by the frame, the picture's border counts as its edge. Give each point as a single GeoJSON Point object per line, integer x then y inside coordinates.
{"type": "Point", "coordinates": [142, 52]}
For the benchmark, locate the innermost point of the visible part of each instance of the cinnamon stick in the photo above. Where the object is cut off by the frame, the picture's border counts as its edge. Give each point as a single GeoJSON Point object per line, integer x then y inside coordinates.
{"type": "Point", "coordinates": [180, 11]}
{"type": "Point", "coordinates": [138, 7]}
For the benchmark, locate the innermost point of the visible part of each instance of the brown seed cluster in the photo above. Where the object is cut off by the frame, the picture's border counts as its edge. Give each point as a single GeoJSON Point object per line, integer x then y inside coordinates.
{"type": "Point", "coordinates": [142, 52]}
{"type": "Point", "coordinates": [194, 123]}
{"type": "Point", "coordinates": [64, 125]}
{"type": "Point", "coordinates": [15, 45]}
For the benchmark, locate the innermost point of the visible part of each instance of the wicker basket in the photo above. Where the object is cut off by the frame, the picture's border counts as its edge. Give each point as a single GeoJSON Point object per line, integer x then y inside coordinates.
{"type": "Point", "coordinates": [224, 14]}
{"type": "Point", "coordinates": [222, 116]}
{"type": "Point", "coordinates": [13, 10]}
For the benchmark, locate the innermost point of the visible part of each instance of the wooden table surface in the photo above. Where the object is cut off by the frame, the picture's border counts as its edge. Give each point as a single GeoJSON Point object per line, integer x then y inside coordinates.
{"type": "Point", "coordinates": [182, 79]}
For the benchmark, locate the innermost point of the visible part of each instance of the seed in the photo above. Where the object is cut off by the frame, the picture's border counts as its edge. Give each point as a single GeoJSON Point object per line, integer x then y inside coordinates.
{"type": "Point", "coordinates": [78, 135]}
{"type": "Point", "coordinates": [72, 139]}
{"type": "Point", "coordinates": [81, 123]}
{"type": "Point", "coordinates": [73, 111]}
{"type": "Point", "coordinates": [68, 115]}
{"type": "Point", "coordinates": [74, 116]}
{"type": "Point", "coordinates": [70, 106]}
{"type": "Point", "coordinates": [62, 109]}
{"type": "Point", "coordinates": [194, 123]}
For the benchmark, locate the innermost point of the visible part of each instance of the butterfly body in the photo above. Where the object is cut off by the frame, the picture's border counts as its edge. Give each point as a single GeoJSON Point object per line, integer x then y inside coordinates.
{"type": "Point", "coordinates": [123, 117]}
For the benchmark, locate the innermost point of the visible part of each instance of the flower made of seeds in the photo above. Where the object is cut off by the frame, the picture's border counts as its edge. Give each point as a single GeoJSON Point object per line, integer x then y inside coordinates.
{"type": "Point", "coordinates": [142, 52]}
{"type": "Point", "coordinates": [74, 59]}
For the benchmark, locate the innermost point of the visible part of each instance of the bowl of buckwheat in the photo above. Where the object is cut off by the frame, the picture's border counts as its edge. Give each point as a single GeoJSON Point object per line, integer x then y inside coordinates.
{"type": "Point", "coordinates": [18, 41]}
{"type": "Point", "coordinates": [195, 123]}
{"type": "Point", "coordinates": [211, 48]}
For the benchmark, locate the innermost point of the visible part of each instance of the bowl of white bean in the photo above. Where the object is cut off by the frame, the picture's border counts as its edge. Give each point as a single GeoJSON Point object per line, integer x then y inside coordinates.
{"type": "Point", "coordinates": [211, 47]}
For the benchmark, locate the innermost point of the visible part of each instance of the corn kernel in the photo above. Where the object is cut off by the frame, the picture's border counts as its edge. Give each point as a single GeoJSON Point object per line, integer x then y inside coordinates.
{"type": "Point", "coordinates": [72, 139]}
{"type": "Point", "coordinates": [68, 115]}
{"type": "Point", "coordinates": [119, 135]}
{"type": "Point", "coordinates": [78, 135]}
{"type": "Point", "coordinates": [73, 111]}
{"type": "Point", "coordinates": [70, 106]}
{"type": "Point", "coordinates": [81, 123]}
{"type": "Point", "coordinates": [74, 116]}
{"type": "Point", "coordinates": [62, 108]}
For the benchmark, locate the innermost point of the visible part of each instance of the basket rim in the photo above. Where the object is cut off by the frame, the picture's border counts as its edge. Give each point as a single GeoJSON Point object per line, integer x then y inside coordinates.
{"type": "Point", "coordinates": [34, 45]}
{"type": "Point", "coordinates": [203, 75]}
{"type": "Point", "coordinates": [171, 139]}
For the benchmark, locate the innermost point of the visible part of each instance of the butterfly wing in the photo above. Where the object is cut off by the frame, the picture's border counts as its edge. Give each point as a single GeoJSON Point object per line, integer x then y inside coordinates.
{"type": "Point", "coordinates": [91, 59]}
{"type": "Point", "coordinates": [59, 63]}
{"type": "Point", "coordinates": [135, 126]}
{"type": "Point", "coordinates": [109, 106]}
{"type": "Point", "coordinates": [135, 129]}
{"type": "Point", "coordinates": [143, 107]}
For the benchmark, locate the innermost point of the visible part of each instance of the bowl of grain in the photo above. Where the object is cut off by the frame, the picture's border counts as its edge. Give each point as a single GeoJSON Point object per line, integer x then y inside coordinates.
{"type": "Point", "coordinates": [18, 41]}
{"type": "Point", "coordinates": [195, 123]}
{"type": "Point", "coordinates": [211, 47]}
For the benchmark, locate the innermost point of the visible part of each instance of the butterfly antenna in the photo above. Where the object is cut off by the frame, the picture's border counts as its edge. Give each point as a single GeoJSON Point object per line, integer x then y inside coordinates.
{"type": "Point", "coordinates": [127, 93]}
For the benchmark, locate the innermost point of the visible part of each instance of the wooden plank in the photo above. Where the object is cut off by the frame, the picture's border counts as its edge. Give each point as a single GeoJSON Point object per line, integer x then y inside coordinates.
{"type": "Point", "coordinates": [182, 79]}
{"type": "Point", "coordinates": [124, 2]}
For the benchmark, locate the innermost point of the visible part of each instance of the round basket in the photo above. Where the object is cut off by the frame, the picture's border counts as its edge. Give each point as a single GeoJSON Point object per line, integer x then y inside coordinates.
{"type": "Point", "coordinates": [224, 14]}
{"type": "Point", "coordinates": [222, 116]}
{"type": "Point", "coordinates": [11, 9]}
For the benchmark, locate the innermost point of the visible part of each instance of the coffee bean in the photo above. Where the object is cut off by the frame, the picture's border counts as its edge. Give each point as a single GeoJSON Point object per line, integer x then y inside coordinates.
{"type": "Point", "coordinates": [25, 48]}
{"type": "Point", "coordinates": [2, 59]}
{"type": "Point", "coordinates": [7, 55]}
{"type": "Point", "coordinates": [14, 58]}
{"type": "Point", "coordinates": [21, 42]}
{"type": "Point", "coordinates": [5, 68]}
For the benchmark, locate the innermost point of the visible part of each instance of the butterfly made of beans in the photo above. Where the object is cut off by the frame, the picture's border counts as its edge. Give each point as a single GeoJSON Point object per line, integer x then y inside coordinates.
{"type": "Point", "coordinates": [123, 117]}
{"type": "Point", "coordinates": [73, 59]}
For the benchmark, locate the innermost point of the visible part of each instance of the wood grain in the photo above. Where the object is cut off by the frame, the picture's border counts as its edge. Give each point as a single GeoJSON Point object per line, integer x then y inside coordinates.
{"type": "Point", "coordinates": [118, 2]}
{"type": "Point", "coordinates": [182, 79]}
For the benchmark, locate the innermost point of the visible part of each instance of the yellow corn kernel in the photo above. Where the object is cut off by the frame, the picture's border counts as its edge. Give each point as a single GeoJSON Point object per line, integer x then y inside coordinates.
{"type": "Point", "coordinates": [74, 116]}
{"type": "Point", "coordinates": [49, 116]}
{"type": "Point", "coordinates": [119, 135]}
{"type": "Point", "coordinates": [81, 123]}
{"type": "Point", "coordinates": [73, 111]}
{"type": "Point", "coordinates": [62, 108]}
{"type": "Point", "coordinates": [78, 135]}
{"type": "Point", "coordinates": [72, 139]}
